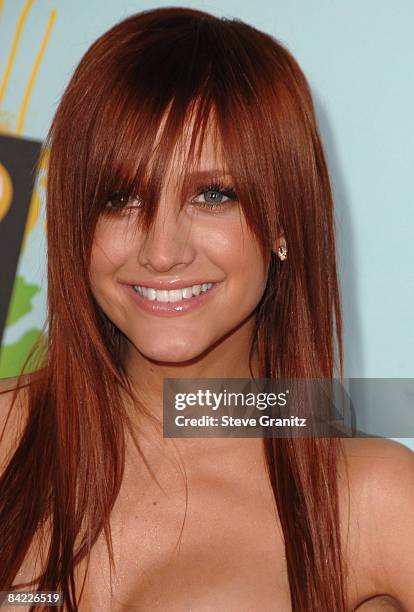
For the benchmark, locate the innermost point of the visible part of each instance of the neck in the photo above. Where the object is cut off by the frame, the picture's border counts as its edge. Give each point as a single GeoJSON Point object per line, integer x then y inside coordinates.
{"type": "Point", "coordinates": [228, 358]}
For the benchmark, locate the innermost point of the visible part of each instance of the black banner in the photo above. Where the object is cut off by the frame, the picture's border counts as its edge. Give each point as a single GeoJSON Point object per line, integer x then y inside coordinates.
{"type": "Point", "coordinates": [18, 162]}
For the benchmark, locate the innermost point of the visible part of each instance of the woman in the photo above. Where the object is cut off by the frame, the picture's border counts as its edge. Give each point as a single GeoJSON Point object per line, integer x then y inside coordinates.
{"type": "Point", "coordinates": [185, 154]}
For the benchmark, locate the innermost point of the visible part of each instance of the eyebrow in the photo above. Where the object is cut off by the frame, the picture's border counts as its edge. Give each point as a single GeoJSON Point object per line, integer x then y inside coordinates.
{"type": "Point", "coordinates": [202, 174]}
{"type": "Point", "coordinates": [191, 178]}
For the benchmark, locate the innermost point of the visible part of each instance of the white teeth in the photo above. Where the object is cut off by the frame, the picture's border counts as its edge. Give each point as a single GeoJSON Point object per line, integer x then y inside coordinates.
{"type": "Point", "coordinates": [187, 293]}
{"type": "Point", "coordinates": [162, 296]}
{"type": "Point", "coordinates": [175, 295]}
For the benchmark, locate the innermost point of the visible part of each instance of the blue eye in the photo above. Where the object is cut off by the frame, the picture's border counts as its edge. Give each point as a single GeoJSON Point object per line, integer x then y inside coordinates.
{"type": "Point", "coordinates": [215, 196]}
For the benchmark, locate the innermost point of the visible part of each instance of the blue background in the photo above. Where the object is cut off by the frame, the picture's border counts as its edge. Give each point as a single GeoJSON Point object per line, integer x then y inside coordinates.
{"type": "Point", "coordinates": [359, 60]}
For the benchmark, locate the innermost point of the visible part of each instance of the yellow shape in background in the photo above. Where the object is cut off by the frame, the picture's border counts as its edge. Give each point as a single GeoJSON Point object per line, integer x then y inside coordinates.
{"type": "Point", "coordinates": [35, 70]}
{"type": "Point", "coordinates": [5, 181]}
{"type": "Point", "coordinates": [44, 159]}
{"type": "Point", "coordinates": [13, 50]}
{"type": "Point", "coordinates": [4, 120]}
{"type": "Point", "coordinates": [6, 192]}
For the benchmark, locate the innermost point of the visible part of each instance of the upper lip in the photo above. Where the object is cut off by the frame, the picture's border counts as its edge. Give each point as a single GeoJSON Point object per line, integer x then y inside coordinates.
{"type": "Point", "coordinates": [171, 284]}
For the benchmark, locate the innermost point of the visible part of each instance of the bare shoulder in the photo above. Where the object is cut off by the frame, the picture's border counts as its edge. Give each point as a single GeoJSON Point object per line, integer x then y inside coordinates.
{"type": "Point", "coordinates": [375, 463]}
{"type": "Point", "coordinates": [11, 421]}
{"type": "Point", "coordinates": [380, 474]}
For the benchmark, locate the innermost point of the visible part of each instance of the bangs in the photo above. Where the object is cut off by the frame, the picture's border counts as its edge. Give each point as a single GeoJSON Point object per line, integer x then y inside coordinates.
{"type": "Point", "coordinates": [146, 145]}
{"type": "Point", "coordinates": [157, 92]}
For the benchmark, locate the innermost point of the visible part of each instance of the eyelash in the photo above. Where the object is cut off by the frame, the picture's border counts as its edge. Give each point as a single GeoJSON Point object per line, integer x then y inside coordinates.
{"type": "Point", "coordinates": [223, 190]}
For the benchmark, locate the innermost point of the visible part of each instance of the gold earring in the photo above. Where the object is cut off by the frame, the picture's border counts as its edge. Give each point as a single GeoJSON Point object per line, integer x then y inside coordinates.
{"type": "Point", "coordinates": [282, 253]}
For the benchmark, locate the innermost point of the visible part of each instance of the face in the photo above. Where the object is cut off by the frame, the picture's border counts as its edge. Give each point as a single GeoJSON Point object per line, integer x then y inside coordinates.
{"type": "Point", "coordinates": [207, 242]}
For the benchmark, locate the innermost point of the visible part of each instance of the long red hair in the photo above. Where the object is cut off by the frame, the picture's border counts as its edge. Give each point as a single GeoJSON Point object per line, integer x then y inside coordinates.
{"type": "Point", "coordinates": [170, 63]}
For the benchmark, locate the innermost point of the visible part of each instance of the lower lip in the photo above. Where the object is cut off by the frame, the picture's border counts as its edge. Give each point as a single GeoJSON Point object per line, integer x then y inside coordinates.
{"type": "Point", "coordinates": [171, 309]}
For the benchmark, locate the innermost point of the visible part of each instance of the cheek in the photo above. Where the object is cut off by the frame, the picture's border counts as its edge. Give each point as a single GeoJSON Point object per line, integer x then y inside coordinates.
{"type": "Point", "coordinates": [107, 256]}
{"type": "Point", "coordinates": [105, 262]}
{"type": "Point", "coordinates": [102, 264]}
{"type": "Point", "coordinates": [238, 252]}
{"type": "Point", "coordinates": [109, 250]}
{"type": "Point", "coordinates": [238, 255]}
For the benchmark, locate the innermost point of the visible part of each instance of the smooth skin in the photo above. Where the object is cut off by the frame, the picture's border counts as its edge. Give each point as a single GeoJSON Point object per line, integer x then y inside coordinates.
{"type": "Point", "coordinates": [231, 554]}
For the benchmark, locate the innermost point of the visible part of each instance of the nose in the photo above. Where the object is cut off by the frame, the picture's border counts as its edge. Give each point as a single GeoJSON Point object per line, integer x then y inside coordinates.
{"type": "Point", "coordinates": [167, 245]}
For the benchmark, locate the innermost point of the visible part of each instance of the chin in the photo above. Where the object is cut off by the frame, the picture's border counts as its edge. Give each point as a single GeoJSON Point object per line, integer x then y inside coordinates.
{"type": "Point", "coordinates": [169, 351]}
{"type": "Point", "coordinates": [176, 357]}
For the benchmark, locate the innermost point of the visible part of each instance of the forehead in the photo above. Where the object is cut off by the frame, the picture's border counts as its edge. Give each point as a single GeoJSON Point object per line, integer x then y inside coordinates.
{"type": "Point", "coordinates": [198, 149]}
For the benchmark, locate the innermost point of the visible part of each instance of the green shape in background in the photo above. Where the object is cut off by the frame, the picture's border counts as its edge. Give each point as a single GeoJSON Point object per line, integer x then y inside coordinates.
{"type": "Point", "coordinates": [21, 302]}
{"type": "Point", "coordinates": [13, 356]}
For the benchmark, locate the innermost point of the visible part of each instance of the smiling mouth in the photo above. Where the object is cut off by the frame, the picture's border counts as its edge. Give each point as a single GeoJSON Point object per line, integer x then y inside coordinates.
{"type": "Point", "coordinates": [172, 295]}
